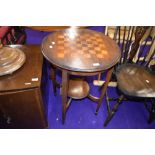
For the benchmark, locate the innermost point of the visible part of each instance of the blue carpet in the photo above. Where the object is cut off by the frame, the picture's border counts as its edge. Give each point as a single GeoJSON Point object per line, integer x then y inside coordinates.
{"type": "Point", "coordinates": [131, 114]}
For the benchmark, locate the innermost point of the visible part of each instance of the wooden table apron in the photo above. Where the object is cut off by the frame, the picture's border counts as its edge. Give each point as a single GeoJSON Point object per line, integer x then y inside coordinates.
{"type": "Point", "coordinates": [88, 53]}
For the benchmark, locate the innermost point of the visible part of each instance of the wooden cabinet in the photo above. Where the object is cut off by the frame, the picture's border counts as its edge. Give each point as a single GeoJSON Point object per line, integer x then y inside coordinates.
{"type": "Point", "coordinates": [21, 100]}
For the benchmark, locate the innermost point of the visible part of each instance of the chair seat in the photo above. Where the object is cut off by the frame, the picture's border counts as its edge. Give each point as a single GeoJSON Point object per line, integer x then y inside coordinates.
{"type": "Point", "coordinates": [135, 80]}
{"type": "Point", "coordinates": [78, 89]}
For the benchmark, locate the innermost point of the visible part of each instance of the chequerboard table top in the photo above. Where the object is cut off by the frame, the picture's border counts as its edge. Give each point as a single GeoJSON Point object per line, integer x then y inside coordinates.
{"type": "Point", "coordinates": [80, 50]}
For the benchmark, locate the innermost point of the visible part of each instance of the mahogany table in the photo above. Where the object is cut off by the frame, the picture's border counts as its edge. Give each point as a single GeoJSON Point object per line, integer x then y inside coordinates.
{"type": "Point", "coordinates": [51, 28]}
{"type": "Point", "coordinates": [80, 52]}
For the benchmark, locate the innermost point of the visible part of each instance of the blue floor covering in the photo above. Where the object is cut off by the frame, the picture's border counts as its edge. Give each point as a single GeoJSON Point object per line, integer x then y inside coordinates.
{"type": "Point", "coordinates": [80, 115]}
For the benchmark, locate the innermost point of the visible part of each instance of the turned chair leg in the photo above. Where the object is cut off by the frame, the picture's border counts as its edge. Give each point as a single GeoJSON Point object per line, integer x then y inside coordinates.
{"type": "Point", "coordinates": [111, 112]}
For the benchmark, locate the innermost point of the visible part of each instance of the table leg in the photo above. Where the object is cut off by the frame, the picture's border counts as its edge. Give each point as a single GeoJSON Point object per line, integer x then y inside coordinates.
{"type": "Point", "coordinates": [104, 89]}
{"type": "Point", "coordinates": [53, 77]}
{"type": "Point", "coordinates": [64, 94]}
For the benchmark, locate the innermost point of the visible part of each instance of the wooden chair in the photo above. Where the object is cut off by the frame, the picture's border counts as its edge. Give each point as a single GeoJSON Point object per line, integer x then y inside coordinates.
{"type": "Point", "coordinates": [133, 76]}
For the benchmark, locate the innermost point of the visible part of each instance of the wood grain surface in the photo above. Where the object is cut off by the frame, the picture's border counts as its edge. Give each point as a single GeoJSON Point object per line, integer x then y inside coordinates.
{"type": "Point", "coordinates": [22, 78]}
{"type": "Point", "coordinates": [136, 80]}
{"type": "Point", "coordinates": [80, 50]}
{"type": "Point", "coordinates": [51, 28]}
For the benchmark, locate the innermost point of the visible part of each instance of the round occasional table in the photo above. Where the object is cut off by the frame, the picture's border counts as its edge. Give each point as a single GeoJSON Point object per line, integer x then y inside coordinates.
{"type": "Point", "coordinates": [51, 28]}
{"type": "Point", "coordinates": [80, 52]}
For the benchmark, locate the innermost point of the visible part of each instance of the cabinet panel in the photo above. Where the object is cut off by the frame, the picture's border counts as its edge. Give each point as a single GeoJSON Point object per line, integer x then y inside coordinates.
{"type": "Point", "coordinates": [22, 109]}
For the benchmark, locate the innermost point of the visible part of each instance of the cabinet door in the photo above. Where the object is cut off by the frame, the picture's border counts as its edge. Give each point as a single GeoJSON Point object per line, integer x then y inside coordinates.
{"type": "Point", "coordinates": [22, 109]}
